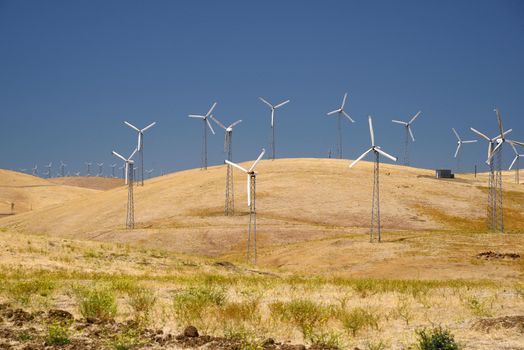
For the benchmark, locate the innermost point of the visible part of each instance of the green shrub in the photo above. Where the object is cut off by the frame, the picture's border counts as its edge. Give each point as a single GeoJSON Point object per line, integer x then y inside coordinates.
{"type": "Point", "coordinates": [358, 319]}
{"type": "Point", "coordinates": [58, 334]}
{"type": "Point", "coordinates": [97, 303]}
{"type": "Point", "coordinates": [436, 339]}
{"type": "Point", "coordinates": [191, 305]}
{"type": "Point", "coordinates": [303, 313]}
{"type": "Point", "coordinates": [126, 341]}
{"type": "Point", "coordinates": [22, 291]}
{"type": "Point", "coordinates": [142, 301]}
{"type": "Point", "coordinates": [325, 339]}
{"type": "Point", "coordinates": [477, 306]}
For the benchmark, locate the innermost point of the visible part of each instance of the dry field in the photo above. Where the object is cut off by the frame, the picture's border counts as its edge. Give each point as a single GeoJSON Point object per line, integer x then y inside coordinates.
{"type": "Point", "coordinates": [318, 281]}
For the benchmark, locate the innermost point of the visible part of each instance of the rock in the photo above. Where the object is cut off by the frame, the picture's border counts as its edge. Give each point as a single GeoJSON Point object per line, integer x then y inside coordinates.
{"type": "Point", "coordinates": [191, 332]}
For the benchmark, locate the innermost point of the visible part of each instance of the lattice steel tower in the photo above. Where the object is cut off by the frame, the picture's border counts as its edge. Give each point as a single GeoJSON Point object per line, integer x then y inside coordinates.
{"type": "Point", "coordinates": [130, 217]}
{"type": "Point", "coordinates": [375, 206]}
{"type": "Point", "coordinates": [495, 213]}
{"type": "Point", "coordinates": [252, 228]}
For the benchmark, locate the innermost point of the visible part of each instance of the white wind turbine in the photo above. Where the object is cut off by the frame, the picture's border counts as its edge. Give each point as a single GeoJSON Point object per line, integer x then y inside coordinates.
{"type": "Point", "coordinates": [34, 170]}
{"type": "Point", "coordinates": [516, 160]}
{"type": "Point", "coordinates": [113, 166]}
{"type": "Point", "coordinates": [273, 109]}
{"type": "Point", "coordinates": [459, 145]}
{"type": "Point", "coordinates": [206, 124]}
{"type": "Point", "coordinates": [495, 213]}
{"type": "Point", "coordinates": [62, 168]}
{"type": "Point", "coordinates": [251, 197]}
{"type": "Point", "coordinates": [100, 170]}
{"type": "Point", "coordinates": [140, 145]}
{"type": "Point", "coordinates": [375, 209]}
{"type": "Point", "coordinates": [340, 112]}
{"type": "Point", "coordinates": [409, 133]}
{"type": "Point", "coordinates": [149, 173]}
{"type": "Point", "coordinates": [48, 169]}
{"type": "Point", "coordinates": [229, 208]}
{"type": "Point", "coordinates": [127, 161]}
{"type": "Point", "coordinates": [129, 165]}
{"type": "Point", "coordinates": [88, 165]}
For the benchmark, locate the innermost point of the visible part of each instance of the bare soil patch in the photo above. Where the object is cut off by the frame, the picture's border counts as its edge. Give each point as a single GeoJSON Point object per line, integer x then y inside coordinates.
{"type": "Point", "coordinates": [490, 255]}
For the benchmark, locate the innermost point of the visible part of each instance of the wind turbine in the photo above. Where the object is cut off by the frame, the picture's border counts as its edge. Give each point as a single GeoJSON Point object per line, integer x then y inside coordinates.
{"type": "Point", "coordinates": [100, 171]}
{"type": "Point", "coordinates": [340, 112]}
{"type": "Point", "coordinates": [229, 208]}
{"type": "Point", "coordinates": [251, 196]}
{"type": "Point", "coordinates": [205, 124]}
{"type": "Point", "coordinates": [48, 169]}
{"type": "Point", "coordinates": [88, 165]}
{"type": "Point", "coordinates": [140, 146]}
{"type": "Point", "coordinates": [377, 151]}
{"type": "Point", "coordinates": [112, 166]}
{"type": "Point", "coordinates": [77, 173]}
{"type": "Point", "coordinates": [459, 144]}
{"type": "Point", "coordinates": [516, 161]}
{"type": "Point", "coordinates": [409, 133]}
{"type": "Point", "coordinates": [149, 173]}
{"type": "Point", "coordinates": [495, 215]}
{"type": "Point", "coordinates": [35, 170]}
{"type": "Point", "coordinates": [62, 168]}
{"type": "Point", "coordinates": [273, 109]}
{"type": "Point", "coordinates": [129, 163]}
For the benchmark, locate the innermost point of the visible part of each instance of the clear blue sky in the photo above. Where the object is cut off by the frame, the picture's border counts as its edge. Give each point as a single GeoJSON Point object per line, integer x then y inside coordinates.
{"type": "Point", "coordinates": [72, 71]}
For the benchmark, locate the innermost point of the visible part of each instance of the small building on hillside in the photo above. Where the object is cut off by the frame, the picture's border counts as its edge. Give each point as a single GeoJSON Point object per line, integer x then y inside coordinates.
{"type": "Point", "coordinates": [444, 174]}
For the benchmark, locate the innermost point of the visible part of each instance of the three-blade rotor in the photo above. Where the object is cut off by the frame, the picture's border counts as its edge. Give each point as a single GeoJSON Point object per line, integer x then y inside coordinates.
{"type": "Point", "coordinates": [460, 142]}
{"type": "Point", "coordinates": [374, 148]}
{"type": "Point", "coordinates": [206, 116]}
{"type": "Point", "coordinates": [408, 124]}
{"type": "Point", "coordinates": [341, 111]}
{"type": "Point", "coordinates": [249, 172]}
{"type": "Point", "coordinates": [273, 108]}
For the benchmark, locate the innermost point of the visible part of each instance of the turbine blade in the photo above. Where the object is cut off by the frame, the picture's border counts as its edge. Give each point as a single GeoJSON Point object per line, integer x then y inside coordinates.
{"type": "Point", "coordinates": [258, 160]}
{"type": "Point", "coordinates": [132, 126]}
{"type": "Point", "coordinates": [149, 126]}
{"type": "Point", "coordinates": [371, 133]}
{"type": "Point", "coordinates": [457, 151]}
{"type": "Point", "coordinates": [282, 103]}
{"type": "Point", "coordinates": [411, 133]}
{"type": "Point", "coordinates": [272, 117]}
{"type": "Point", "coordinates": [335, 111]}
{"type": "Point", "coordinates": [456, 134]}
{"type": "Point", "coordinates": [518, 143]}
{"type": "Point", "coordinates": [494, 151]}
{"type": "Point", "coordinates": [399, 122]}
{"type": "Point", "coordinates": [217, 122]}
{"type": "Point", "coordinates": [499, 120]}
{"type": "Point", "coordinates": [360, 158]}
{"type": "Point", "coordinates": [269, 104]}
{"type": "Point", "coordinates": [344, 100]}
{"type": "Point", "coordinates": [196, 116]}
{"type": "Point", "coordinates": [116, 155]}
{"type": "Point", "coordinates": [235, 124]}
{"type": "Point", "coordinates": [236, 166]}
{"type": "Point", "coordinates": [513, 163]}
{"type": "Point", "coordinates": [210, 127]}
{"type": "Point", "coordinates": [386, 154]}
{"type": "Point", "coordinates": [139, 141]}
{"type": "Point", "coordinates": [211, 109]}
{"type": "Point", "coordinates": [513, 146]}
{"type": "Point", "coordinates": [347, 116]}
{"type": "Point", "coordinates": [415, 117]}
{"type": "Point", "coordinates": [133, 154]}
{"type": "Point", "coordinates": [469, 141]}
{"type": "Point", "coordinates": [480, 134]}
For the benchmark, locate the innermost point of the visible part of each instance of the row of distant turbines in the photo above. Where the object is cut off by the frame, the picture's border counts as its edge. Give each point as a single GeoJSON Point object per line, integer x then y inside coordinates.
{"type": "Point", "coordinates": [63, 172]}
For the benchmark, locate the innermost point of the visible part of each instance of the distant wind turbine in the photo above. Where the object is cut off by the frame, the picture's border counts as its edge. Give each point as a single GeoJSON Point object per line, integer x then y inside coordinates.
{"type": "Point", "coordinates": [273, 122]}
{"type": "Point", "coordinates": [340, 112]}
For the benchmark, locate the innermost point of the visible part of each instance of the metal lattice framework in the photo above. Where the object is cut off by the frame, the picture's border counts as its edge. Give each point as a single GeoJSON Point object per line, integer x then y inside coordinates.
{"type": "Point", "coordinates": [405, 161]}
{"type": "Point", "coordinates": [130, 215]}
{"type": "Point", "coordinates": [252, 228]}
{"type": "Point", "coordinates": [375, 206]}
{"type": "Point", "coordinates": [495, 213]}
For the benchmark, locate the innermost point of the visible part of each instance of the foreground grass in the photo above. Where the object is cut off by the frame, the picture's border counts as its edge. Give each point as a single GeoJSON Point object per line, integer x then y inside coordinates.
{"type": "Point", "coordinates": [160, 289]}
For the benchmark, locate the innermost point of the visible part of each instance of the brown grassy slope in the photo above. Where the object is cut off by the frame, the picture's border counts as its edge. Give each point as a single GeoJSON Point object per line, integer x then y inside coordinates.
{"type": "Point", "coordinates": [297, 200]}
{"type": "Point", "coordinates": [92, 182]}
{"type": "Point", "coordinates": [31, 192]}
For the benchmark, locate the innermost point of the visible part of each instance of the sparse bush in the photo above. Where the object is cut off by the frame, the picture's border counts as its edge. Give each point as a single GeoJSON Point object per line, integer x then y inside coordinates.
{"type": "Point", "coordinates": [22, 291]}
{"type": "Point", "coordinates": [240, 311]}
{"type": "Point", "coordinates": [478, 307]}
{"type": "Point", "coordinates": [326, 339]}
{"type": "Point", "coordinates": [126, 341]}
{"type": "Point", "coordinates": [58, 334]}
{"type": "Point", "coordinates": [436, 339]}
{"type": "Point", "coordinates": [190, 305]}
{"type": "Point", "coordinates": [248, 339]}
{"type": "Point", "coordinates": [358, 319]}
{"type": "Point", "coordinates": [403, 310]}
{"type": "Point", "coordinates": [376, 345]}
{"type": "Point", "coordinates": [124, 284]}
{"type": "Point", "coordinates": [303, 313]}
{"type": "Point", "coordinates": [142, 301]}
{"type": "Point", "coordinates": [98, 303]}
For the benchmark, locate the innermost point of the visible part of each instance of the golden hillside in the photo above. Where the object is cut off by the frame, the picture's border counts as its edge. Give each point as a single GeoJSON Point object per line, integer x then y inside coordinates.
{"type": "Point", "coordinates": [92, 182]}
{"type": "Point", "coordinates": [29, 192]}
